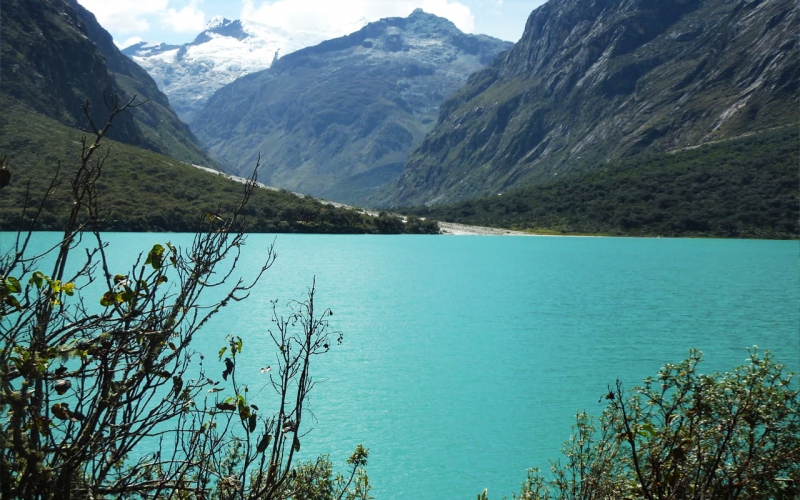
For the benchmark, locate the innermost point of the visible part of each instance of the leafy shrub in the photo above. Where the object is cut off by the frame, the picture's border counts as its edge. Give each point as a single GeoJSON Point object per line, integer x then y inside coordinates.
{"type": "Point", "coordinates": [684, 435]}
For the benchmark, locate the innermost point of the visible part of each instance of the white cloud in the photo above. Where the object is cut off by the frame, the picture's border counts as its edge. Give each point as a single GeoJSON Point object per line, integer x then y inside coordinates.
{"type": "Point", "coordinates": [125, 16]}
{"type": "Point", "coordinates": [172, 20]}
{"type": "Point", "coordinates": [128, 42]}
{"type": "Point", "coordinates": [189, 19]}
{"type": "Point", "coordinates": [460, 14]}
{"type": "Point", "coordinates": [343, 16]}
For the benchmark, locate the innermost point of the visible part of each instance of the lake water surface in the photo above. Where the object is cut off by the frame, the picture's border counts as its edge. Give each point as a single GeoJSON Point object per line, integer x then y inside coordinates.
{"type": "Point", "coordinates": [465, 359]}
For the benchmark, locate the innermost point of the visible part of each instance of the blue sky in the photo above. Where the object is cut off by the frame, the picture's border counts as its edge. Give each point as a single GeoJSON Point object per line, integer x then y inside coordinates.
{"type": "Point", "coordinates": [179, 21]}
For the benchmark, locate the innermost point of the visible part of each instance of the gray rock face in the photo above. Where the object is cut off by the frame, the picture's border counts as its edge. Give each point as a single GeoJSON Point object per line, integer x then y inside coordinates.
{"type": "Point", "coordinates": [593, 81]}
{"type": "Point", "coordinates": [338, 119]}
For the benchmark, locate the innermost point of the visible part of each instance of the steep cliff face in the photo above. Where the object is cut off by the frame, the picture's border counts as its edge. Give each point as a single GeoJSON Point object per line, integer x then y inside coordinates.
{"type": "Point", "coordinates": [158, 122]}
{"type": "Point", "coordinates": [594, 81]}
{"type": "Point", "coordinates": [339, 119]}
{"type": "Point", "coordinates": [55, 56]}
{"type": "Point", "coordinates": [49, 62]}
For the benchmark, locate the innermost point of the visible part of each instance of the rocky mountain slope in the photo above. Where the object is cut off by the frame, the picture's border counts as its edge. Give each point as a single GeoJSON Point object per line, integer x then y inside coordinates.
{"type": "Point", "coordinates": [55, 56]}
{"type": "Point", "coordinates": [338, 119]}
{"type": "Point", "coordinates": [226, 50]}
{"type": "Point", "coordinates": [593, 82]}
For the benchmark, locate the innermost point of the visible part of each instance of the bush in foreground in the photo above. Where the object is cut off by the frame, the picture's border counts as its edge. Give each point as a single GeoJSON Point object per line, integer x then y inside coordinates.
{"type": "Point", "coordinates": [684, 435]}
{"type": "Point", "coordinates": [101, 392]}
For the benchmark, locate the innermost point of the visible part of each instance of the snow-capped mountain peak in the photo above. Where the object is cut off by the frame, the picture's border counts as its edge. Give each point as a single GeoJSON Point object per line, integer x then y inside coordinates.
{"type": "Point", "coordinates": [215, 22]}
{"type": "Point", "coordinates": [226, 50]}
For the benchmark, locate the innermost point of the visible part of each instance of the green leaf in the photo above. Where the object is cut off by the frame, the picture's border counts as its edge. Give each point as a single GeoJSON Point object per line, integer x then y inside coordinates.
{"type": "Point", "coordinates": [126, 296]}
{"type": "Point", "coordinates": [156, 257]}
{"type": "Point", "coordinates": [647, 430]}
{"type": "Point", "coordinates": [107, 299]}
{"type": "Point", "coordinates": [12, 285]}
{"type": "Point", "coordinates": [37, 279]}
{"type": "Point", "coordinates": [221, 352]}
{"type": "Point", "coordinates": [69, 288]}
{"type": "Point", "coordinates": [13, 302]}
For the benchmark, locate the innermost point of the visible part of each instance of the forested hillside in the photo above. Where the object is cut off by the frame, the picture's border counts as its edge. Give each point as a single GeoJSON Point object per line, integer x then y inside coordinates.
{"type": "Point", "coordinates": [742, 188]}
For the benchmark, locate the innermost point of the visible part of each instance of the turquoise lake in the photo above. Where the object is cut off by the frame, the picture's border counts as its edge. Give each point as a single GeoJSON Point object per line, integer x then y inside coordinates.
{"type": "Point", "coordinates": [466, 358]}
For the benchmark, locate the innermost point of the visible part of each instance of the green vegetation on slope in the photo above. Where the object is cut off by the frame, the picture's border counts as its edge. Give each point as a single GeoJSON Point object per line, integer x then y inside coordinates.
{"type": "Point", "coordinates": [145, 191]}
{"type": "Point", "coordinates": [745, 188]}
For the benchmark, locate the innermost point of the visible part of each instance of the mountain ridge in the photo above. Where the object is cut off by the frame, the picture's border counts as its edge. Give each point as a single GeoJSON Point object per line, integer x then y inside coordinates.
{"type": "Point", "coordinates": [339, 118]}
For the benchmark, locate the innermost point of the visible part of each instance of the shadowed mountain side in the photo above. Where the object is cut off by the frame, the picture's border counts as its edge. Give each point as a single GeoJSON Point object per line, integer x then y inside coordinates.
{"type": "Point", "coordinates": [338, 120]}
{"type": "Point", "coordinates": [55, 56]}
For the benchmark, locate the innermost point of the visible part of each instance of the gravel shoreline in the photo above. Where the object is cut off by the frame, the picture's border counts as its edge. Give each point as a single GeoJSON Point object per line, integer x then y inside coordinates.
{"type": "Point", "coordinates": [451, 228]}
